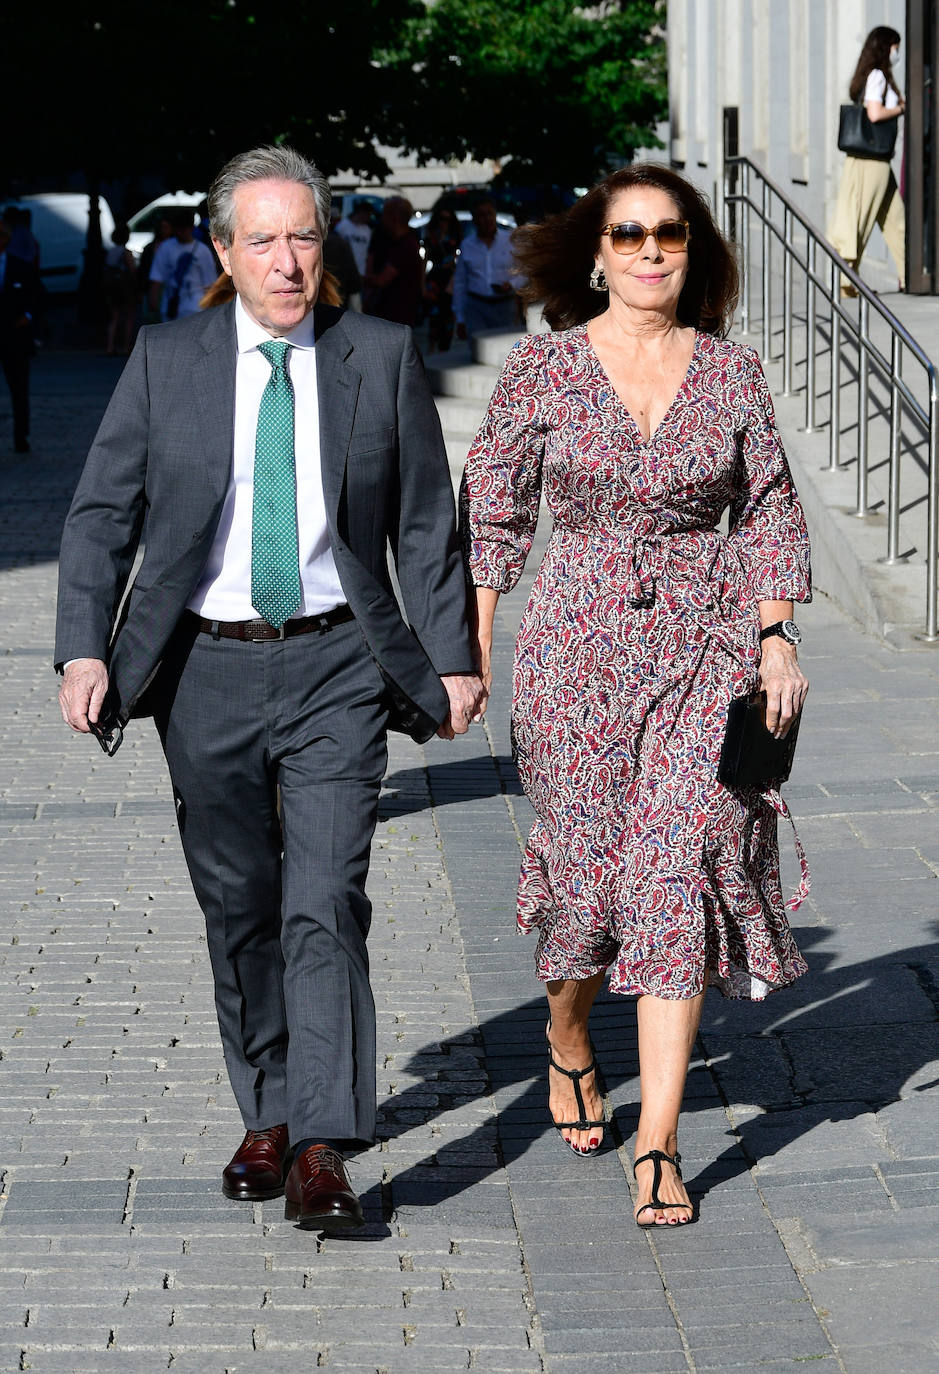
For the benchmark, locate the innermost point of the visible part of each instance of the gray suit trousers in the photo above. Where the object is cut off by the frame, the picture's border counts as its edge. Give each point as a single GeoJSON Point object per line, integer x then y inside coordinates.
{"type": "Point", "coordinates": [283, 896]}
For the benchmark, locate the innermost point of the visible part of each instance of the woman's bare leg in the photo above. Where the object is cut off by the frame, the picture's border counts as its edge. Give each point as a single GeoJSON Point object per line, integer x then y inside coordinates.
{"type": "Point", "coordinates": [667, 1031]}
{"type": "Point", "coordinates": [569, 1003]}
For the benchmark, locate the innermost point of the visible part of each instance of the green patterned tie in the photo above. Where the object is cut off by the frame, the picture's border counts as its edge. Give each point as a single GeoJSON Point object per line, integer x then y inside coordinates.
{"type": "Point", "coordinates": [275, 559]}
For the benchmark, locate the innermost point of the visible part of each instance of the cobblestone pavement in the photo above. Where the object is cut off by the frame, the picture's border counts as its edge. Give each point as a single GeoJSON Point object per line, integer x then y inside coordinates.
{"type": "Point", "coordinates": [810, 1126]}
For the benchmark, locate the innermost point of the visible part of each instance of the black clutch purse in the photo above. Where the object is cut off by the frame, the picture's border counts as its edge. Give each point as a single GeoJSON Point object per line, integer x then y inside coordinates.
{"type": "Point", "coordinates": [860, 138]}
{"type": "Point", "coordinates": [750, 755]}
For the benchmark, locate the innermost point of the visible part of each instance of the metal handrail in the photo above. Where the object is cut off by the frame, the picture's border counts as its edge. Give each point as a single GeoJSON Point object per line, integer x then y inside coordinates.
{"type": "Point", "coordinates": [824, 281]}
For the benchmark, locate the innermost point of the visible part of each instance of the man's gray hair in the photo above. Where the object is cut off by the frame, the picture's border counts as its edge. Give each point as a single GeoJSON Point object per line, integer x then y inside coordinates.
{"type": "Point", "coordinates": [263, 164]}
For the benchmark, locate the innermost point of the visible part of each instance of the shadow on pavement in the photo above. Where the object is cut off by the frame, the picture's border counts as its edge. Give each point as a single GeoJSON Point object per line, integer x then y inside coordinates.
{"type": "Point", "coordinates": [458, 780]}
{"type": "Point", "coordinates": [841, 1043]}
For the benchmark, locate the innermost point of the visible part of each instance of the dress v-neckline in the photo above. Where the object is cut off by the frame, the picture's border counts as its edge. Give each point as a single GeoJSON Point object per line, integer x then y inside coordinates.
{"type": "Point", "coordinates": [622, 404]}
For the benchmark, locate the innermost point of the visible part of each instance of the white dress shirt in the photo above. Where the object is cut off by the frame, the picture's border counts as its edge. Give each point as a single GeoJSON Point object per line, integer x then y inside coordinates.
{"type": "Point", "coordinates": [224, 590]}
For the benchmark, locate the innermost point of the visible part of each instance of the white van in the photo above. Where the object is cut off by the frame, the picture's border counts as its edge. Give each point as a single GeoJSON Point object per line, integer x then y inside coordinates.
{"type": "Point", "coordinates": [60, 223]}
{"type": "Point", "coordinates": [143, 224]}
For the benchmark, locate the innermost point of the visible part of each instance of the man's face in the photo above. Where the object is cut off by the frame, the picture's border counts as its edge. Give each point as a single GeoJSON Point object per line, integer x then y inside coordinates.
{"type": "Point", "coordinates": [276, 255]}
{"type": "Point", "coordinates": [484, 218]}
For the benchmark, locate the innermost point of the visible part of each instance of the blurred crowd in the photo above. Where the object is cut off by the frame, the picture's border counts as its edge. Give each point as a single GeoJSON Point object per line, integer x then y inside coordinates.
{"type": "Point", "coordinates": [447, 273]}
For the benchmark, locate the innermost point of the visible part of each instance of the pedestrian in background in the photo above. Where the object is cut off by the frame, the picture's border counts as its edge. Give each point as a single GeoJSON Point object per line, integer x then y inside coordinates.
{"type": "Point", "coordinates": [441, 251]}
{"type": "Point", "coordinates": [394, 272]}
{"type": "Point", "coordinates": [23, 242]}
{"type": "Point", "coordinates": [19, 295]}
{"type": "Point", "coordinates": [162, 232]}
{"type": "Point", "coordinates": [357, 230]}
{"type": "Point", "coordinates": [120, 292]}
{"type": "Point", "coordinates": [868, 193]}
{"type": "Point", "coordinates": [183, 268]}
{"type": "Point", "coordinates": [483, 283]}
{"type": "Point", "coordinates": [340, 263]}
{"type": "Point", "coordinates": [644, 425]}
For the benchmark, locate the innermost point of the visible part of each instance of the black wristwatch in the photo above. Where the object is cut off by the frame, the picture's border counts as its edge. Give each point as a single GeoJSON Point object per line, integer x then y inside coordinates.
{"type": "Point", "coordinates": [787, 629]}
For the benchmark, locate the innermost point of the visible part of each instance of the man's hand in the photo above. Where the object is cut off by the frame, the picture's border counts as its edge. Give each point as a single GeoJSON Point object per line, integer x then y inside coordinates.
{"type": "Point", "coordinates": [465, 692]}
{"type": "Point", "coordinates": [82, 692]}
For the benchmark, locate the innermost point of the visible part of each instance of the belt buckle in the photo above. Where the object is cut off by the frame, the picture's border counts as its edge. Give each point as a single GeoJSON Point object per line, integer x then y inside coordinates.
{"type": "Point", "coordinates": [281, 630]}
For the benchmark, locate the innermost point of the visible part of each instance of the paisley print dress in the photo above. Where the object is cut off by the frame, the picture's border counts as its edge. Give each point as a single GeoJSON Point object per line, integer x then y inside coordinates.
{"type": "Point", "coordinates": [642, 625]}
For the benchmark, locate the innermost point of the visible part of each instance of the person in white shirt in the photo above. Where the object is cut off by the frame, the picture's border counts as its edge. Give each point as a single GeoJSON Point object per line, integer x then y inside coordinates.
{"type": "Point", "coordinates": [483, 287]}
{"type": "Point", "coordinates": [357, 231]}
{"type": "Point", "coordinates": [182, 270]}
{"type": "Point", "coordinates": [868, 194]}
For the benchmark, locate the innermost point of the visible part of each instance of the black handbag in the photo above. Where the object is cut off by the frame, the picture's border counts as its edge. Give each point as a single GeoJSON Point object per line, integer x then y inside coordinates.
{"type": "Point", "coordinates": [751, 756]}
{"type": "Point", "coordinates": [858, 137]}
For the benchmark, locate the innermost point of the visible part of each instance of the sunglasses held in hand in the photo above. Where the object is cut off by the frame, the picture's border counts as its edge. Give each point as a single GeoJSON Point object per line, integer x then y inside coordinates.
{"type": "Point", "coordinates": [671, 235]}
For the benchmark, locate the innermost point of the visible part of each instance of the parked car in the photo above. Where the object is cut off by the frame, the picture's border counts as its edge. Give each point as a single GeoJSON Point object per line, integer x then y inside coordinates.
{"type": "Point", "coordinates": [420, 222]}
{"type": "Point", "coordinates": [142, 225]}
{"type": "Point", "coordinates": [60, 223]}
{"type": "Point", "coordinates": [535, 202]}
{"type": "Point", "coordinates": [345, 201]}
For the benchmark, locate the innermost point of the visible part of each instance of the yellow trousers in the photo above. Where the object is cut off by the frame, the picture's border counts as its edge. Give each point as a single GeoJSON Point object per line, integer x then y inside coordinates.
{"type": "Point", "coordinates": [868, 195]}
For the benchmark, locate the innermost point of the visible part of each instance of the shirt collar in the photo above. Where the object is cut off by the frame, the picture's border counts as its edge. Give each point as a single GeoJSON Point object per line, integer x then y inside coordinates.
{"type": "Point", "coordinates": [249, 333]}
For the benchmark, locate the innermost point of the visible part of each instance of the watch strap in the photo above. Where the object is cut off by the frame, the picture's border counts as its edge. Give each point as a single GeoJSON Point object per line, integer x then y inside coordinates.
{"type": "Point", "coordinates": [779, 629]}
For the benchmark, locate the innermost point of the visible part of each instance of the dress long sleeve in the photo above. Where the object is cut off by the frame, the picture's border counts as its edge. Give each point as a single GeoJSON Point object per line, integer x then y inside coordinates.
{"type": "Point", "coordinates": [501, 488]}
{"type": "Point", "coordinates": [767, 523]}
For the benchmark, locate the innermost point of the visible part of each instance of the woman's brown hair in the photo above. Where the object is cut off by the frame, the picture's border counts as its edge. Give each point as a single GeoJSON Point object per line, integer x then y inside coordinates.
{"type": "Point", "coordinates": [557, 256]}
{"type": "Point", "coordinates": [875, 57]}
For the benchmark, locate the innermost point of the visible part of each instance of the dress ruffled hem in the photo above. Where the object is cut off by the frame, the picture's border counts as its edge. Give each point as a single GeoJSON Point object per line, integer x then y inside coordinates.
{"type": "Point", "coordinates": [737, 982]}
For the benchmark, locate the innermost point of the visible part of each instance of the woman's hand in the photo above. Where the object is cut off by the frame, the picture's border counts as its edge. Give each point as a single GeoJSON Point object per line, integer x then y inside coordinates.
{"type": "Point", "coordinates": [481, 610]}
{"type": "Point", "coordinates": [483, 654]}
{"type": "Point", "coordinates": [784, 683]}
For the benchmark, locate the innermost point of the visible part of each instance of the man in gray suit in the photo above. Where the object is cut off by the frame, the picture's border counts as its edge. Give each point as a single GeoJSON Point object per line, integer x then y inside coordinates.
{"type": "Point", "coordinates": [273, 448]}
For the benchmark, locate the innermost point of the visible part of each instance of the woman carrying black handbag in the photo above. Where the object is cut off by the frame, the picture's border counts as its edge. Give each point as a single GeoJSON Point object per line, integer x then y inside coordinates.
{"type": "Point", "coordinates": [868, 194]}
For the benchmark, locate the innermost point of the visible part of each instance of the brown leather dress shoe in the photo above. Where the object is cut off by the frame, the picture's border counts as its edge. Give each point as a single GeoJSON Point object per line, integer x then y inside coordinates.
{"type": "Point", "coordinates": [258, 1167]}
{"type": "Point", "coordinates": [318, 1194]}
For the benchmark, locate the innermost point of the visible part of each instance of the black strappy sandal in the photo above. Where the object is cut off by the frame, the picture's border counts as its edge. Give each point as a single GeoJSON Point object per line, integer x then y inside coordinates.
{"type": "Point", "coordinates": [657, 1204]}
{"type": "Point", "coordinates": [575, 1075]}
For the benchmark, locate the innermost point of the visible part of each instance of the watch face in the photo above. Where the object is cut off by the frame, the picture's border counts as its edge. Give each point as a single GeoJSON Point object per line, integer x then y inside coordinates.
{"type": "Point", "coordinates": [791, 631]}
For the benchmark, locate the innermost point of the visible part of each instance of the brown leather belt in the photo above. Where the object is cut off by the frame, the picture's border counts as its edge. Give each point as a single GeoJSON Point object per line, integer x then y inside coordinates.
{"type": "Point", "coordinates": [257, 631]}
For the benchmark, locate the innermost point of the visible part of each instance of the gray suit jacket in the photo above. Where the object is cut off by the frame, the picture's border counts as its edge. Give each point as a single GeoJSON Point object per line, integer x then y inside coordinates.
{"type": "Point", "coordinates": [160, 466]}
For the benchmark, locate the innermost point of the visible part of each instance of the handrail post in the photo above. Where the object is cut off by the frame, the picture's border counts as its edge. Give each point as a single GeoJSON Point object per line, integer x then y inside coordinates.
{"type": "Point", "coordinates": [893, 491]}
{"type": "Point", "coordinates": [823, 269]}
{"type": "Point", "coordinates": [767, 278]}
{"type": "Point", "coordinates": [745, 250]}
{"type": "Point", "coordinates": [932, 520]}
{"type": "Point", "coordinates": [810, 340]}
{"type": "Point", "coordinates": [834, 424]}
{"type": "Point", "coordinates": [863, 383]}
{"type": "Point", "coordinates": [787, 302]}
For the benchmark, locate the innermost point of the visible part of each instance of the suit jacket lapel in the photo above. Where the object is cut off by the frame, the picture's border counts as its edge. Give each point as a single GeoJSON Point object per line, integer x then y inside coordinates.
{"type": "Point", "coordinates": [337, 384]}
{"type": "Point", "coordinates": [214, 380]}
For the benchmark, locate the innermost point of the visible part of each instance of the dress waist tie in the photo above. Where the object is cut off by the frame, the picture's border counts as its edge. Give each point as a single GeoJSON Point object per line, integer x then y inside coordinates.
{"type": "Point", "coordinates": [775, 799]}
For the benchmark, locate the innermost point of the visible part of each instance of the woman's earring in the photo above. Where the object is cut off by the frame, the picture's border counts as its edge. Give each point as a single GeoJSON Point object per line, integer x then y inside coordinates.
{"type": "Point", "coordinates": [598, 279]}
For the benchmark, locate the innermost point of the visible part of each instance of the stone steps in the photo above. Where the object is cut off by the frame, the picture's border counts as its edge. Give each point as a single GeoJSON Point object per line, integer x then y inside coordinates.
{"type": "Point", "coordinates": [462, 380]}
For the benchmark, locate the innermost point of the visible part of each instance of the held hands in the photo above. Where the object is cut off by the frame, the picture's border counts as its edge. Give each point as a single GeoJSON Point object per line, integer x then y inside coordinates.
{"type": "Point", "coordinates": [466, 693]}
{"type": "Point", "coordinates": [784, 683]}
{"type": "Point", "coordinates": [83, 689]}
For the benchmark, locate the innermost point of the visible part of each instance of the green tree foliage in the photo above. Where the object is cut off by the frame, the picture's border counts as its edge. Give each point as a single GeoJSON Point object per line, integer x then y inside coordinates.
{"type": "Point", "coordinates": [179, 86]}
{"type": "Point", "coordinates": [563, 90]}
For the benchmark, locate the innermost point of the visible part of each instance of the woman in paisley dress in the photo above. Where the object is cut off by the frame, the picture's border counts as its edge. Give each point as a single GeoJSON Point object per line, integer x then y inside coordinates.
{"type": "Point", "coordinates": [642, 426]}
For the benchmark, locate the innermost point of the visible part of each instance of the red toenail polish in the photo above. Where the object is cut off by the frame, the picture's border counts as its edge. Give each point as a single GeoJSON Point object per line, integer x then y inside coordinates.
{"type": "Point", "coordinates": [594, 1142]}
